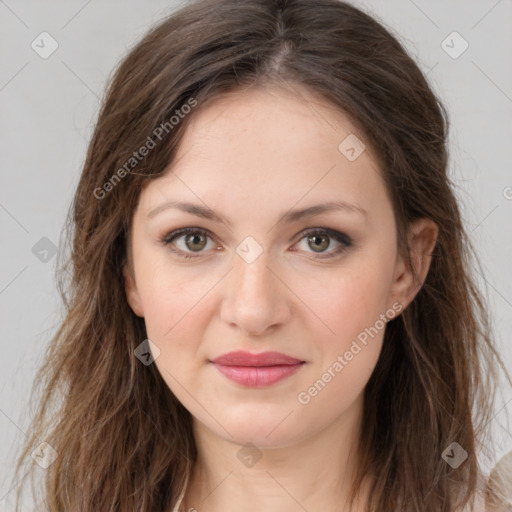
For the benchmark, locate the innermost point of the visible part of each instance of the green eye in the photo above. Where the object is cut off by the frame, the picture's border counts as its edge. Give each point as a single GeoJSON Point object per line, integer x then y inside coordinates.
{"type": "Point", "coordinates": [320, 239]}
{"type": "Point", "coordinates": [195, 240]}
{"type": "Point", "coordinates": [320, 242]}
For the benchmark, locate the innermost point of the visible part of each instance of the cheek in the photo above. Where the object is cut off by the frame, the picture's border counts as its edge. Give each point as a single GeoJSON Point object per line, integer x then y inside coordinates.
{"type": "Point", "coordinates": [345, 360]}
{"type": "Point", "coordinates": [351, 305]}
{"type": "Point", "coordinates": [357, 303]}
{"type": "Point", "coordinates": [177, 310]}
{"type": "Point", "coordinates": [346, 301]}
{"type": "Point", "coordinates": [174, 316]}
{"type": "Point", "coordinates": [170, 295]}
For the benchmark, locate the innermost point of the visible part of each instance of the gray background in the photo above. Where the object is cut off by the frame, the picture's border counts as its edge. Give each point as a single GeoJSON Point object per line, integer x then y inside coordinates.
{"type": "Point", "coordinates": [49, 108]}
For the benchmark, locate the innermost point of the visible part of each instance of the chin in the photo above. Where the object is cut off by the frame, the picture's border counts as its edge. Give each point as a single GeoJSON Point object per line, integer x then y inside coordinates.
{"type": "Point", "coordinates": [268, 426]}
{"type": "Point", "coordinates": [260, 437]}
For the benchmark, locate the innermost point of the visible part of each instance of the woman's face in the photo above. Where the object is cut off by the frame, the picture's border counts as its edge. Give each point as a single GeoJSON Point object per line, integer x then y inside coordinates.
{"type": "Point", "coordinates": [292, 249]}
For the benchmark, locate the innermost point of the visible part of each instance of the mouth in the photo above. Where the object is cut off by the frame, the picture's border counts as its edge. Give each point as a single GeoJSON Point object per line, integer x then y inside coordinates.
{"type": "Point", "coordinates": [257, 370]}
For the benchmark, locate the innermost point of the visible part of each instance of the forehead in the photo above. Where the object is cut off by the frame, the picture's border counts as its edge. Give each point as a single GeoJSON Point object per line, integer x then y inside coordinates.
{"type": "Point", "coordinates": [265, 146]}
{"type": "Point", "coordinates": [272, 118]}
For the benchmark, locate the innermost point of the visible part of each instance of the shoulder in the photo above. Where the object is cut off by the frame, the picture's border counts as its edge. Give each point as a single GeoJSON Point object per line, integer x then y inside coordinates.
{"type": "Point", "coordinates": [499, 486]}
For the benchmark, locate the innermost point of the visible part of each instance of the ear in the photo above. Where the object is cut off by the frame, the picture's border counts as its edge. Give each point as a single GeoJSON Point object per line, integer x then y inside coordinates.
{"type": "Point", "coordinates": [412, 269]}
{"type": "Point", "coordinates": [132, 294]}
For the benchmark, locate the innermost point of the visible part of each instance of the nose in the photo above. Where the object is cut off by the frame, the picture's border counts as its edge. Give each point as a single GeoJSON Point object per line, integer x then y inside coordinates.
{"type": "Point", "coordinates": [255, 300]}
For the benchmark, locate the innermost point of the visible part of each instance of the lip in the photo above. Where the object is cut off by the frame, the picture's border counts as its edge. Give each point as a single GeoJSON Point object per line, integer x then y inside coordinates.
{"type": "Point", "coordinates": [257, 370]}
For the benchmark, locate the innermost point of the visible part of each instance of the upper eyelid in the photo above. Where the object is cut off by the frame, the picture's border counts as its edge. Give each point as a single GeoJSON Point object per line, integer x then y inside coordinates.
{"type": "Point", "coordinates": [175, 233]}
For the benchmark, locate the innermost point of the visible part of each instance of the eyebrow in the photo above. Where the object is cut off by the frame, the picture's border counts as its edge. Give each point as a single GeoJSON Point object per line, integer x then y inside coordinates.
{"type": "Point", "coordinates": [287, 217]}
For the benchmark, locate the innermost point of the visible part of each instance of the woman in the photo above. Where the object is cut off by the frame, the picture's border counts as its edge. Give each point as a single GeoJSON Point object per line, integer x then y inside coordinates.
{"type": "Point", "coordinates": [271, 305]}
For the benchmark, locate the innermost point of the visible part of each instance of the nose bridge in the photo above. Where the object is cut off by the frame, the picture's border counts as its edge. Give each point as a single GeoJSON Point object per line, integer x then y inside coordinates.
{"type": "Point", "coordinates": [255, 299]}
{"type": "Point", "coordinates": [254, 278]}
{"type": "Point", "coordinates": [252, 271]}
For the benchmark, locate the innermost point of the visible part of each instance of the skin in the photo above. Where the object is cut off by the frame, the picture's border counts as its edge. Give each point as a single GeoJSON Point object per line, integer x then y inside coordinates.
{"type": "Point", "coordinates": [252, 156]}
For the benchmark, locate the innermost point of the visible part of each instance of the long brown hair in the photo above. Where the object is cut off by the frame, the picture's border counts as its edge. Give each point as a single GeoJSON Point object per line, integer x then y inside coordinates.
{"type": "Point", "coordinates": [123, 440]}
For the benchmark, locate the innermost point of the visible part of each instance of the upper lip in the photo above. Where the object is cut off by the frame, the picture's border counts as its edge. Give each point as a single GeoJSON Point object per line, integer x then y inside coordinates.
{"type": "Point", "coordinates": [241, 358]}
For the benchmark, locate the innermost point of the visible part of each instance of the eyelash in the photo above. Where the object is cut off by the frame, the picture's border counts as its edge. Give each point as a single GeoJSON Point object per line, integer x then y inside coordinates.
{"type": "Point", "coordinates": [343, 239]}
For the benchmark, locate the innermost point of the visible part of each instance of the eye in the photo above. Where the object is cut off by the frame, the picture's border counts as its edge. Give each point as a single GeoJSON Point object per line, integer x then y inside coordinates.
{"type": "Point", "coordinates": [193, 240]}
{"type": "Point", "coordinates": [320, 239]}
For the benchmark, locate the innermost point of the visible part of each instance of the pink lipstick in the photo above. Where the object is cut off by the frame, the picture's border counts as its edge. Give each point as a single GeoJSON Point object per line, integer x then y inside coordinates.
{"type": "Point", "coordinates": [257, 370]}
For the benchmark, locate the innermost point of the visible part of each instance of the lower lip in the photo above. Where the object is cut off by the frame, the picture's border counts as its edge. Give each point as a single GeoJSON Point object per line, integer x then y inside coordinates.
{"type": "Point", "coordinates": [258, 376]}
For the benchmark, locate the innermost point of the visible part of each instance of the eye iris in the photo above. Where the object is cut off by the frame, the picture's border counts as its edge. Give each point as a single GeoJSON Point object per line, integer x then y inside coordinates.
{"type": "Point", "coordinates": [194, 237]}
{"type": "Point", "coordinates": [318, 239]}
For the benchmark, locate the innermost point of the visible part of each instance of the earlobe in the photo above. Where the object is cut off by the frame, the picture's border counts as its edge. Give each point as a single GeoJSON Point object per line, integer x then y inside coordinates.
{"type": "Point", "coordinates": [412, 270]}
{"type": "Point", "coordinates": [132, 294]}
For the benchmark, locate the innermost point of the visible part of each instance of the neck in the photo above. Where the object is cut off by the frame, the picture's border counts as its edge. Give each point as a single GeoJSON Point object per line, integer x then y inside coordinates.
{"type": "Point", "coordinates": [313, 473]}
